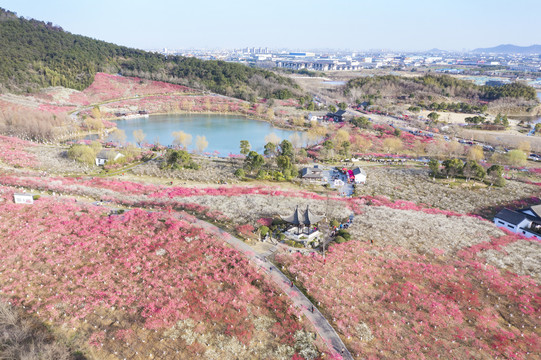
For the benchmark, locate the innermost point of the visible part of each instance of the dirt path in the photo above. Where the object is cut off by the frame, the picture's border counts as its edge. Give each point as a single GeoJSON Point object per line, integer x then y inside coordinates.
{"type": "Point", "coordinates": [323, 328]}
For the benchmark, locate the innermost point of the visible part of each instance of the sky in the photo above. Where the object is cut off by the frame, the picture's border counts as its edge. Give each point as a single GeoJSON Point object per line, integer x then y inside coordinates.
{"type": "Point", "coordinates": [355, 25]}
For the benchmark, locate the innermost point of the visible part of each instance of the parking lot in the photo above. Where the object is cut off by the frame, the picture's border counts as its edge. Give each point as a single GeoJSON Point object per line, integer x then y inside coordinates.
{"type": "Point", "coordinates": [338, 181]}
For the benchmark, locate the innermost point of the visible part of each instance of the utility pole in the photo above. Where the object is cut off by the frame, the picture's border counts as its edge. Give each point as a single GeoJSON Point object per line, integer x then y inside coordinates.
{"type": "Point", "coordinates": [326, 226]}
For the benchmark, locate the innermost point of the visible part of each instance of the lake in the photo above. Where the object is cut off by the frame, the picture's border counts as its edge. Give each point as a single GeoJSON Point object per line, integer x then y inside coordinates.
{"type": "Point", "coordinates": [223, 132]}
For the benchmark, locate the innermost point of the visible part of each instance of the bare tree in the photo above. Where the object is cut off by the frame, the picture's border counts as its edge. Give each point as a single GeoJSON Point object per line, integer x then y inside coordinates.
{"type": "Point", "coordinates": [119, 136]}
{"type": "Point", "coordinates": [139, 136]}
{"type": "Point", "coordinates": [181, 138]}
{"type": "Point", "coordinates": [341, 136]}
{"type": "Point", "coordinates": [296, 140]}
{"type": "Point", "coordinates": [475, 153]}
{"type": "Point", "coordinates": [392, 145]}
{"type": "Point", "coordinates": [272, 138]}
{"type": "Point", "coordinates": [201, 143]}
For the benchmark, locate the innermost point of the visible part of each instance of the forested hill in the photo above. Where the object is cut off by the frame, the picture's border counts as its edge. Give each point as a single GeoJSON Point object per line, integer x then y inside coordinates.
{"type": "Point", "coordinates": [429, 86]}
{"type": "Point", "coordinates": [35, 54]}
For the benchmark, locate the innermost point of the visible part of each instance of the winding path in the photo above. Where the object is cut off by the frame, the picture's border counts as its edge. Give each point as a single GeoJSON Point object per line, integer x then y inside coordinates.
{"type": "Point", "coordinates": [337, 348]}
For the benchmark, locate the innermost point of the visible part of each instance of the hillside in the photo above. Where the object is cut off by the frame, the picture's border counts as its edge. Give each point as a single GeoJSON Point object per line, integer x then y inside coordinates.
{"type": "Point", "coordinates": [433, 274]}
{"type": "Point", "coordinates": [510, 49]}
{"type": "Point", "coordinates": [36, 54]}
{"type": "Point", "coordinates": [436, 88]}
{"type": "Point", "coordinates": [142, 283]}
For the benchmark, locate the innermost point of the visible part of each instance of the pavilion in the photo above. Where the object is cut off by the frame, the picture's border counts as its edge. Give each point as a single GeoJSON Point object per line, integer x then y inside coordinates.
{"type": "Point", "coordinates": [302, 221]}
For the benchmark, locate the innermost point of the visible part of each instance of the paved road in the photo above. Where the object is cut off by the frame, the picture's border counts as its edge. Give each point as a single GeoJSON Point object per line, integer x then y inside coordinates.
{"type": "Point", "coordinates": [323, 328]}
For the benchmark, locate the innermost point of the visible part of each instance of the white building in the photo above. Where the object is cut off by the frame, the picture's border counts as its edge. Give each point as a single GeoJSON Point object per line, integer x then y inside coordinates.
{"type": "Point", "coordinates": [107, 155]}
{"type": "Point", "coordinates": [23, 198]}
{"type": "Point", "coordinates": [360, 175]}
{"type": "Point", "coordinates": [526, 222]}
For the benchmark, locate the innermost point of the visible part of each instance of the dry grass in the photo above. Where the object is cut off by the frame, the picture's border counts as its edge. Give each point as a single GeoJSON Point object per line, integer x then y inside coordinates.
{"type": "Point", "coordinates": [53, 160]}
{"type": "Point", "coordinates": [26, 338]}
{"type": "Point", "coordinates": [211, 171]}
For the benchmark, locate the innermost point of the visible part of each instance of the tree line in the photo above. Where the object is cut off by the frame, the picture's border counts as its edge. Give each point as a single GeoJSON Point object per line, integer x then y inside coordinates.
{"type": "Point", "coordinates": [468, 170]}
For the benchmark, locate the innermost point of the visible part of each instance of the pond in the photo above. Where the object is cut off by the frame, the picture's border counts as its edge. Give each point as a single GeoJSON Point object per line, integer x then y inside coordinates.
{"type": "Point", "coordinates": [336, 83]}
{"type": "Point", "coordinates": [223, 132]}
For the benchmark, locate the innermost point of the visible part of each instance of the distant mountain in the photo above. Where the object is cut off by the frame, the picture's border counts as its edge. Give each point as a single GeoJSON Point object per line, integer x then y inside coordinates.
{"type": "Point", "coordinates": [510, 49]}
{"type": "Point", "coordinates": [35, 54]}
{"type": "Point", "coordinates": [435, 51]}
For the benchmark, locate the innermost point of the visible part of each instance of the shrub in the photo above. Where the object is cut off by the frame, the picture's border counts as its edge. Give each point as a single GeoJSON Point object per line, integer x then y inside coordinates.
{"type": "Point", "coordinates": [263, 230]}
{"type": "Point", "coordinates": [278, 176]}
{"type": "Point", "coordinates": [82, 153]}
{"type": "Point", "coordinates": [261, 174]}
{"type": "Point", "coordinates": [344, 234]}
{"type": "Point", "coordinates": [294, 243]}
{"type": "Point", "coordinates": [340, 240]}
{"type": "Point", "coordinates": [240, 173]}
{"type": "Point", "coordinates": [179, 159]}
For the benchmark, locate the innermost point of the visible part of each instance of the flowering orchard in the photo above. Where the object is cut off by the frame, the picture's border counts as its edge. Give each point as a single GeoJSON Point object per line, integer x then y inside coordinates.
{"type": "Point", "coordinates": [127, 284]}
{"type": "Point", "coordinates": [55, 109]}
{"type": "Point", "coordinates": [390, 303]}
{"type": "Point", "coordinates": [228, 200]}
{"type": "Point", "coordinates": [13, 152]}
{"type": "Point", "coordinates": [107, 87]}
{"type": "Point", "coordinates": [175, 103]}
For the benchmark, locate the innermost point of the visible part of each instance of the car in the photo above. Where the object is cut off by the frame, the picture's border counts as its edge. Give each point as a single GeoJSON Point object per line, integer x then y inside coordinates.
{"type": "Point", "coordinates": [488, 148]}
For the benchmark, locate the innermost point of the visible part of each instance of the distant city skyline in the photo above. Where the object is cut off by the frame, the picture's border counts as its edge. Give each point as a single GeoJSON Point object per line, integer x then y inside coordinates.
{"type": "Point", "coordinates": [416, 25]}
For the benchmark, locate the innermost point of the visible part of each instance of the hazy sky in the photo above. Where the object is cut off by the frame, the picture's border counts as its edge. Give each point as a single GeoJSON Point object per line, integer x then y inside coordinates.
{"type": "Point", "coordinates": [294, 24]}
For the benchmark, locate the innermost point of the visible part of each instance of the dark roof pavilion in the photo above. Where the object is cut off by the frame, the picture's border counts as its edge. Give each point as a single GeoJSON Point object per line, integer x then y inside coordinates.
{"type": "Point", "coordinates": [300, 217]}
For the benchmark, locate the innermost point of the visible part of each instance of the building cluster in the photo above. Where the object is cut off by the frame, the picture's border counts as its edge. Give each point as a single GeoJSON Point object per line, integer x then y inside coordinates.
{"type": "Point", "coordinates": [467, 63]}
